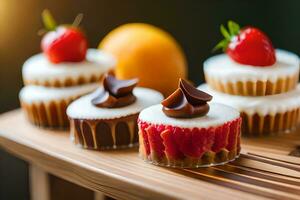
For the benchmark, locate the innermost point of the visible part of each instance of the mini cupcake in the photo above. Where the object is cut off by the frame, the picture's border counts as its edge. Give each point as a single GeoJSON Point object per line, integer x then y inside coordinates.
{"type": "Point", "coordinates": [186, 131]}
{"type": "Point", "coordinates": [263, 115]}
{"type": "Point", "coordinates": [107, 118]}
{"type": "Point", "coordinates": [251, 66]}
{"type": "Point", "coordinates": [64, 71]}
{"type": "Point", "coordinates": [39, 70]}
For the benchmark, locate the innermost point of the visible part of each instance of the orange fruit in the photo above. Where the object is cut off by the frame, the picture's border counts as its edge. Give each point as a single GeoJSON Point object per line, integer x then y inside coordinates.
{"type": "Point", "coordinates": [148, 53]}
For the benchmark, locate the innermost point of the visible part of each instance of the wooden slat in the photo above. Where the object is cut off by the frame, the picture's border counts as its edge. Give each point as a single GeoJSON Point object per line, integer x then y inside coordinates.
{"type": "Point", "coordinates": [263, 171]}
{"type": "Point", "coordinates": [39, 183]}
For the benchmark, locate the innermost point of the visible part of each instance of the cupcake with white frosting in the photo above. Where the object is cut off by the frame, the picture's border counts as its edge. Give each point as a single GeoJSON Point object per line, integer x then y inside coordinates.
{"type": "Point", "coordinates": [250, 65]}
{"type": "Point", "coordinates": [227, 76]}
{"type": "Point", "coordinates": [263, 115]}
{"type": "Point", "coordinates": [65, 70]}
{"type": "Point", "coordinates": [107, 118]}
{"type": "Point", "coordinates": [39, 70]}
{"type": "Point", "coordinates": [186, 131]}
{"type": "Point", "coordinates": [257, 80]}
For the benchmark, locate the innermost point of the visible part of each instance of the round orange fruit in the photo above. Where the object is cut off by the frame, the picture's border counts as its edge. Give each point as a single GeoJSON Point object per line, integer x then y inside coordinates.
{"type": "Point", "coordinates": [148, 53]}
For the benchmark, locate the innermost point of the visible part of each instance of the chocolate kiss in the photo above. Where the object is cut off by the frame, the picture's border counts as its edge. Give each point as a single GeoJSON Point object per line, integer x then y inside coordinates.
{"type": "Point", "coordinates": [115, 93]}
{"type": "Point", "coordinates": [118, 88]}
{"type": "Point", "coordinates": [193, 95]}
{"type": "Point", "coordinates": [175, 100]}
{"type": "Point", "coordinates": [177, 105]}
{"type": "Point", "coordinates": [186, 102]}
{"type": "Point", "coordinates": [104, 99]}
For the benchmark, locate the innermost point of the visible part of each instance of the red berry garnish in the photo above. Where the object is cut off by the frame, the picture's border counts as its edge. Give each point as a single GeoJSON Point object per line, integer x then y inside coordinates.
{"type": "Point", "coordinates": [249, 46]}
{"type": "Point", "coordinates": [63, 43]}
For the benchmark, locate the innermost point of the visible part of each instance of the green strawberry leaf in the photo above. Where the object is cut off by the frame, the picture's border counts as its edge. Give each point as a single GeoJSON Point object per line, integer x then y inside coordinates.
{"type": "Point", "coordinates": [225, 32]}
{"type": "Point", "coordinates": [233, 27]}
{"type": "Point", "coordinates": [233, 30]}
{"type": "Point", "coordinates": [48, 20]}
{"type": "Point", "coordinates": [77, 20]}
{"type": "Point", "coordinates": [221, 45]}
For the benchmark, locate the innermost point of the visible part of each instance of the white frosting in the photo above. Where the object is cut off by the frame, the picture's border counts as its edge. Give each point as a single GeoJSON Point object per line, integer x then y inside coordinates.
{"type": "Point", "coordinates": [82, 108]}
{"type": "Point", "coordinates": [262, 105]}
{"type": "Point", "coordinates": [218, 114]}
{"type": "Point", "coordinates": [39, 68]}
{"type": "Point", "coordinates": [224, 69]}
{"type": "Point", "coordinates": [33, 93]}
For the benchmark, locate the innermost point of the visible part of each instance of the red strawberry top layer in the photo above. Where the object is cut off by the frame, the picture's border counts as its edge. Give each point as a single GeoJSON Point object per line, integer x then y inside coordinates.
{"type": "Point", "coordinates": [189, 137]}
{"type": "Point", "coordinates": [178, 143]}
{"type": "Point", "coordinates": [249, 45]}
{"type": "Point", "coordinates": [63, 43]}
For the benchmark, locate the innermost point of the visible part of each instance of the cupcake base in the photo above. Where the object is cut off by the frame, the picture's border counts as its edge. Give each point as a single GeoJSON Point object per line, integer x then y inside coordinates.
{"type": "Point", "coordinates": [207, 160]}
{"type": "Point", "coordinates": [67, 82]}
{"type": "Point", "coordinates": [263, 116]}
{"type": "Point", "coordinates": [48, 115]}
{"type": "Point", "coordinates": [257, 125]}
{"type": "Point", "coordinates": [118, 133]}
{"type": "Point", "coordinates": [250, 88]}
{"type": "Point", "coordinates": [46, 107]}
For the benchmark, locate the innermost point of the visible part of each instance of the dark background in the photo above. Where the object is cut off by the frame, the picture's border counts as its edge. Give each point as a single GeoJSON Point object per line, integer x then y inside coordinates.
{"type": "Point", "coordinates": [195, 25]}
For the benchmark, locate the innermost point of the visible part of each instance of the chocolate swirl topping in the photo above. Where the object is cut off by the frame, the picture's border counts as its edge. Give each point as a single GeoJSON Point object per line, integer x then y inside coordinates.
{"type": "Point", "coordinates": [115, 93]}
{"type": "Point", "coordinates": [186, 102]}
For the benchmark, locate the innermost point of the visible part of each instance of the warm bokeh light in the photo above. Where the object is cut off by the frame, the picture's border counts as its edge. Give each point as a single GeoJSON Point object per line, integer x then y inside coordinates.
{"type": "Point", "coordinates": [4, 9]}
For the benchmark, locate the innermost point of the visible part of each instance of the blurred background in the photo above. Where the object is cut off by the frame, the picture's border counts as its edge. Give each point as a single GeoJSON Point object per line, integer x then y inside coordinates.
{"type": "Point", "coordinates": [194, 24]}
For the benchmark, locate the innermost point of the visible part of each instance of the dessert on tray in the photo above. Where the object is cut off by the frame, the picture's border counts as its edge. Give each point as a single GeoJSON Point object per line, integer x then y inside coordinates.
{"type": "Point", "coordinates": [186, 131]}
{"type": "Point", "coordinates": [39, 70]}
{"type": "Point", "coordinates": [251, 66]}
{"type": "Point", "coordinates": [107, 118]}
{"type": "Point", "coordinates": [263, 115]}
{"type": "Point", "coordinates": [64, 71]}
{"type": "Point", "coordinates": [260, 82]}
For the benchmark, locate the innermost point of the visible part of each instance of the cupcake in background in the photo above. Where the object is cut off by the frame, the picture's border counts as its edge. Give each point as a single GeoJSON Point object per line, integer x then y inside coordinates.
{"type": "Point", "coordinates": [65, 70]}
{"type": "Point", "coordinates": [250, 65]}
{"type": "Point", "coordinates": [256, 79]}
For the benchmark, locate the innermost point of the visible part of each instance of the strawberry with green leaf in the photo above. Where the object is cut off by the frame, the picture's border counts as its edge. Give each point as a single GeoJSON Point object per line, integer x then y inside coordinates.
{"type": "Point", "coordinates": [249, 45]}
{"type": "Point", "coordinates": [64, 43]}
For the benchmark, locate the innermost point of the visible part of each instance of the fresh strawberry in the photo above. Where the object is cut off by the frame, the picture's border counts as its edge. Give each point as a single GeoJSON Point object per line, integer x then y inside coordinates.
{"type": "Point", "coordinates": [249, 46]}
{"type": "Point", "coordinates": [63, 43]}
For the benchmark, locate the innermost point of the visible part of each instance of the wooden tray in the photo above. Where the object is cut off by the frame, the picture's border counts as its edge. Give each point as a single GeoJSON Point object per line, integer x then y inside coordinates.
{"type": "Point", "coordinates": [263, 171]}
